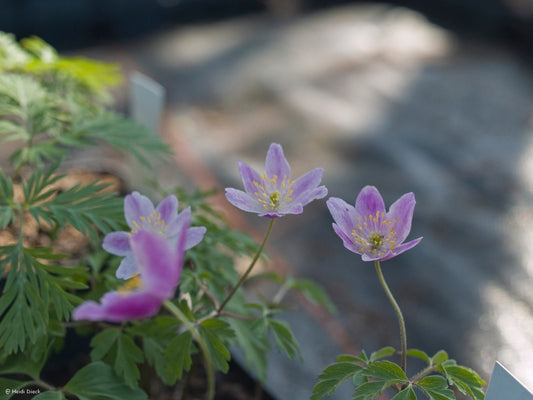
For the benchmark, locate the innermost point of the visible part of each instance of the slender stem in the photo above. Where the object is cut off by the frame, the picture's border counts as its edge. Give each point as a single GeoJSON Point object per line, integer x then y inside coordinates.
{"type": "Point", "coordinates": [426, 371]}
{"type": "Point", "coordinates": [210, 394]}
{"type": "Point", "coordinates": [243, 278]}
{"type": "Point", "coordinates": [44, 385]}
{"type": "Point", "coordinates": [401, 322]}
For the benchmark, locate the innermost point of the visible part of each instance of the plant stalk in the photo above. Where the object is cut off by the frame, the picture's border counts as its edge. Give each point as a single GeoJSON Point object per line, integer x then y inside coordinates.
{"type": "Point", "coordinates": [210, 393]}
{"type": "Point", "coordinates": [401, 321]}
{"type": "Point", "coordinates": [243, 278]}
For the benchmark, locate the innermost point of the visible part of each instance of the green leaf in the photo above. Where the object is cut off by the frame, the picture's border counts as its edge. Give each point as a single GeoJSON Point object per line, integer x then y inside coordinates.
{"type": "Point", "coordinates": [178, 357]}
{"type": "Point", "coordinates": [406, 394]}
{"type": "Point", "coordinates": [29, 362]}
{"type": "Point", "coordinates": [123, 134]}
{"type": "Point", "coordinates": [382, 353]}
{"type": "Point", "coordinates": [439, 357]}
{"type": "Point", "coordinates": [386, 371]}
{"type": "Point", "coordinates": [464, 379]}
{"type": "Point", "coordinates": [314, 293]}
{"type": "Point", "coordinates": [347, 358]}
{"type": "Point", "coordinates": [155, 357]}
{"type": "Point", "coordinates": [50, 395]}
{"type": "Point", "coordinates": [25, 311]}
{"type": "Point", "coordinates": [216, 332]}
{"type": "Point", "coordinates": [369, 390]}
{"type": "Point", "coordinates": [85, 208]}
{"type": "Point", "coordinates": [254, 346]}
{"type": "Point", "coordinates": [284, 338]}
{"type": "Point", "coordinates": [12, 385]}
{"type": "Point", "coordinates": [98, 381]}
{"type": "Point", "coordinates": [419, 354]}
{"type": "Point", "coordinates": [125, 351]}
{"type": "Point", "coordinates": [436, 388]}
{"type": "Point", "coordinates": [128, 355]}
{"type": "Point", "coordinates": [332, 377]}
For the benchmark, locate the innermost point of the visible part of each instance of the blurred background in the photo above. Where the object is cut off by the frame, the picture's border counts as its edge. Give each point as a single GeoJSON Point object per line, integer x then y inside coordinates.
{"type": "Point", "coordinates": [430, 97]}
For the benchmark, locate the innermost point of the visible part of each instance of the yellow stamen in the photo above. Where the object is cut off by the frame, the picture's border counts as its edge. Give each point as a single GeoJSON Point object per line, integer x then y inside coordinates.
{"type": "Point", "coordinates": [131, 284]}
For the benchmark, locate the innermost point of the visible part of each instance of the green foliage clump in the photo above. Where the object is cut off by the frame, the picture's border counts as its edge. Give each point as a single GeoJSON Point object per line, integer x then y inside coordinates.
{"type": "Point", "coordinates": [49, 106]}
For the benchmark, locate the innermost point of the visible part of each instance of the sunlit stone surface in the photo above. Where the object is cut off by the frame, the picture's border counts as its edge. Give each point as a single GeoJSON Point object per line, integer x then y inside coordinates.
{"type": "Point", "coordinates": [378, 96]}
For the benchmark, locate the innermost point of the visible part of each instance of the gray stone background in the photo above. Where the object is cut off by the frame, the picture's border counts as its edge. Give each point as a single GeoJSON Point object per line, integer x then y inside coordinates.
{"type": "Point", "coordinates": [376, 95]}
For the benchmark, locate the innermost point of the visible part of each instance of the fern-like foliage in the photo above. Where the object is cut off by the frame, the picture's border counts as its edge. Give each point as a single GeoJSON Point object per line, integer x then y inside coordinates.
{"type": "Point", "coordinates": [51, 104]}
{"type": "Point", "coordinates": [36, 287]}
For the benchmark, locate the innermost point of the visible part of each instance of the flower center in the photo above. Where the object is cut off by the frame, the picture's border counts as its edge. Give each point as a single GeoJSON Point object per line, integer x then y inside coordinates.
{"type": "Point", "coordinates": [374, 234]}
{"type": "Point", "coordinates": [130, 285]}
{"type": "Point", "coordinates": [152, 223]}
{"type": "Point", "coordinates": [273, 193]}
{"type": "Point", "coordinates": [375, 240]}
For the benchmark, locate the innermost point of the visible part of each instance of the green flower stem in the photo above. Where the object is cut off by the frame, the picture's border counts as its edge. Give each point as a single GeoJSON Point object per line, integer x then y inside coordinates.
{"type": "Point", "coordinates": [243, 278]}
{"type": "Point", "coordinates": [210, 394]}
{"type": "Point", "coordinates": [401, 322]}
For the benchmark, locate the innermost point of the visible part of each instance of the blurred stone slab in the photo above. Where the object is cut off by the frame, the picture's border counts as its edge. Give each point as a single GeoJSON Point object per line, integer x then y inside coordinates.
{"type": "Point", "coordinates": [503, 385]}
{"type": "Point", "coordinates": [375, 95]}
{"type": "Point", "coordinates": [147, 100]}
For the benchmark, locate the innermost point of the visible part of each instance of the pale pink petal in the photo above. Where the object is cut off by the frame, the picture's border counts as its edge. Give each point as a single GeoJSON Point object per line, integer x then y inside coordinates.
{"type": "Point", "coordinates": [249, 176]}
{"type": "Point", "coordinates": [128, 267]}
{"type": "Point", "coordinates": [404, 247]}
{"type": "Point", "coordinates": [243, 200]}
{"type": "Point", "coordinates": [117, 243]}
{"type": "Point", "coordinates": [276, 163]}
{"type": "Point", "coordinates": [369, 202]}
{"type": "Point", "coordinates": [168, 208]}
{"type": "Point", "coordinates": [135, 206]}
{"type": "Point", "coordinates": [195, 235]}
{"type": "Point", "coordinates": [341, 213]}
{"type": "Point", "coordinates": [346, 240]}
{"type": "Point", "coordinates": [174, 226]}
{"type": "Point", "coordinates": [401, 213]}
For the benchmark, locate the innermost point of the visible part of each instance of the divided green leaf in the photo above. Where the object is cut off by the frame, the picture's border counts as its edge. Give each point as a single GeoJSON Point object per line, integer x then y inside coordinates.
{"type": "Point", "coordinates": [177, 357]}
{"type": "Point", "coordinates": [419, 354]}
{"type": "Point", "coordinates": [216, 333]}
{"type": "Point", "coordinates": [406, 394]}
{"type": "Point", "coordinates": [382, 353]}
{"type": "Point", "coordinates": [370, 390]}
{"type": "Point", "coordinates": [332, 377]}
{"type": "Point", "coordinates": [121, 351]}
{"type": "Point", "coordinates": [284, 338]}
{"type": "Point", "coordinates": [436, 388]}
{"type": "Point", "coordinates": [98, 381]}
{"type": "Point", "coordinates": [386, 371]}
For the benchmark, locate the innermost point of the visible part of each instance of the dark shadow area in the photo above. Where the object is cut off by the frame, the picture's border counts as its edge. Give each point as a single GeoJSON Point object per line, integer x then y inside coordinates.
{"type": "Point", "coordinates": [71, 24]}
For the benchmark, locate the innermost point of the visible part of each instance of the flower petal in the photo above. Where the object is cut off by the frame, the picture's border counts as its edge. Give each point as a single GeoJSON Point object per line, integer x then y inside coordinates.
{"type": "Point", "coordinates": [291, 208]}
{"type": "Point", "coordinates": [341, 213]}
{"type": "Point", "coordinates": [249, 175]}
{"type": "Point", "coordinates": [168, 208]}
{"type": "Point", "coordinates": [369, 202]}
{"type": "Point", "coordinates": [118, 307]}
{"type": "Point", "coordinates": [276, 163]}
{"type": "Point", "coordinates": [128, 267]}
{"type": "Point", "coordinates": [243, 200]}
{"type": "Point", "coordinates": [401, 211]}
{"type": "Point", "coordinates": [195, 235]}
{"type": "Point", "coordinates": [404, 247]}
{"type": "Point", "coordinates": [117, 243]}
{"type": "Point", "coordinates": [346, 240]}
{"type": "Point", "coordinates": [305, 187]}
{"type": "Point", "coordinates": [316, 193]}
{"type": "Point", "coordinates": [307, 182]}
{"type": "Point", "coordinates": [160, 261]}
{"type": "Point", "coordinates": [135, 206]}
